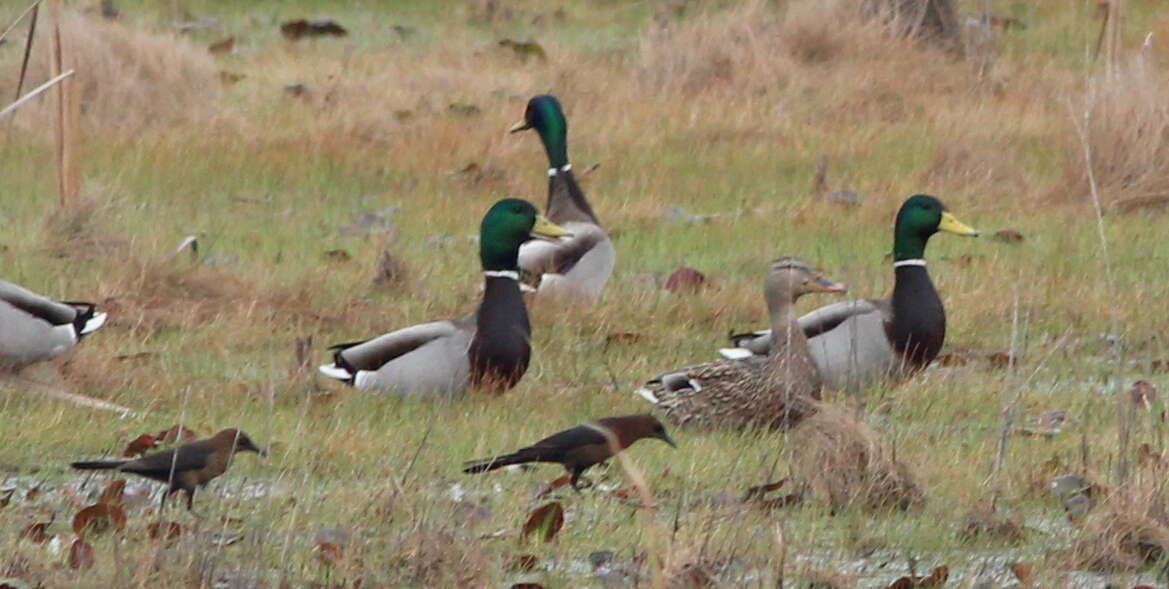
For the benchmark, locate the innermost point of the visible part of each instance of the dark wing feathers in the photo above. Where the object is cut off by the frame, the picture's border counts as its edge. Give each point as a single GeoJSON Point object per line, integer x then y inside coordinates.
{"type": "Point", "coordinates": [190, 457]}
{"type": "Point", "coordinates": [551, 449]}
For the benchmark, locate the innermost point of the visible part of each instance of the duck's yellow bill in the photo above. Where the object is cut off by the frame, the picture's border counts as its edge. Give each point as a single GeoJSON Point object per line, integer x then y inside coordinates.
{"type": "Point", "coordinates": [950, 224]}
{"type": "Point", "coordinates": [548, 229]}
{"type": "Point", "coordinates": [520, 126]}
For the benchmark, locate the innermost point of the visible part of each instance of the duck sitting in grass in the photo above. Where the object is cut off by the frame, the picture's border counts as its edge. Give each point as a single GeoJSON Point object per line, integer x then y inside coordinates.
{"type": "Point", "coordinates": [487, 350]}
{"type": "Point", "coordinates": [578, 266]}
{"type": "Point", "coordinates": [34, 328]}
{"type": "Point", "coordinates": [775, 391]}
{"type": "Point", "coordinates": [856, 343]}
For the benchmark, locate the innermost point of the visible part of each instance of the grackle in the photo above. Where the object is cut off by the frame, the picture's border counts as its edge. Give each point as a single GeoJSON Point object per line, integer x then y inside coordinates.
{"type": "Point", "coordinates": [184, 467]}
{"type": "Point", "coordinates": [579, 448]}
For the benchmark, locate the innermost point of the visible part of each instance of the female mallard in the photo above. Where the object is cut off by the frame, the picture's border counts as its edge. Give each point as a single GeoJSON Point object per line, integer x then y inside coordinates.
{"type": "Point", "coordinates": [488, 349]}
{"type": "Point", "coordinates": [857, 342]}
{"type": "Point", "coordinates": [775, 391]}
{"type": "Point", "coordinates": [34, 328]}
{"type": "Point", "coordinates": [578, 266]}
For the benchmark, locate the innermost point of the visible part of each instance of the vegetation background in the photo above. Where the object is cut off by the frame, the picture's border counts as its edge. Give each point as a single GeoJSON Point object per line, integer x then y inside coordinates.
{"type": "Point", "coordinates": [708, 120]}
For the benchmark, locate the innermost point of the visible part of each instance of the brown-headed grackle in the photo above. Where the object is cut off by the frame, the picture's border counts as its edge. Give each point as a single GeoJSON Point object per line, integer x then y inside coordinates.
{"type": "Point", "coordinates": [579, 448]}
{"type": "Point", "coordinates": [184, 467]}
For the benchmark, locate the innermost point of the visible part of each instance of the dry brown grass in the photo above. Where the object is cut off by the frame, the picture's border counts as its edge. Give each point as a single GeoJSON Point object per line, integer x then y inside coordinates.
{"type": "Point", "coordinates": [129, 80]}
{"type": "Point", "coordinates": [1127, 132]}
{"type": "Point", "coordinates": [1128, 530]}
{"type": "Point", "coordinates": [843, 462]}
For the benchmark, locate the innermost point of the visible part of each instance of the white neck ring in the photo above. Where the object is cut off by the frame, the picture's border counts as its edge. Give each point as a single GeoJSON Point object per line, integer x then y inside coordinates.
{"type": "Point", "coordinates": [914, 262]}
{"type": "Point", "coordinates": [512, 274]}
{"type": "Point", "coordinates": [564, 168]}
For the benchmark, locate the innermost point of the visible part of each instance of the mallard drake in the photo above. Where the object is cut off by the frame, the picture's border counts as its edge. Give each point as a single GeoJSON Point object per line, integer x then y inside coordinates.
{"type": "Point", "coordinates": [34, 328]}
{"type": "Point", "coordinates": [578, 266]}
{"type": "Point", "coordinates": [775, 391]}
{"type": "Point", "coordinates": [857, 342]}
{"type": "Point", "coordinates": [487, 350]}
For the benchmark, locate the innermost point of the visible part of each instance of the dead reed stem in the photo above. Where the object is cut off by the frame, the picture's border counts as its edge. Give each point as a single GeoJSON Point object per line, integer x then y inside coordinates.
{"type": "Point", "coordinates": [67, 171]}
{"type": "Point", "coordinates": [34, 92]}
{"type": "Point", "coordinates": [1123, 417]}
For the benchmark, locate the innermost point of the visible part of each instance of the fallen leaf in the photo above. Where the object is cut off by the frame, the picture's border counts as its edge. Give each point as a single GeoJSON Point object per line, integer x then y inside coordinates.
{"type": "Point", "coordinates": [758, 491]}
{"type": "Point", "coordinates": [1142, 394]}
{"type": "Point", "coordinates": [164, 530]}
{"type": "Point", "coordinates": [464, 109]}
{"type": "Point", "coordinates": [1008, 236]}
{"type": "Point", "coordinates": [7, 498]}
{"type": "Point", "coordinates": [525, 49]}
{"type": "Point", "coordinates": [936, 579]}
{"type": "Point", "coordinates": [140, 445]}
{"type": "Point", "coordinates": [329, 553]}
{"type": "Point", "coordinates": [222, 47]}
{"type": "Point", "coordinates": [522, 563]}
{"type": "Point", "coordinates": [300, 28]}
{"type": "Point", "coordinates": [229, 78]}
{"type": "Point", "coordinates": [338, 255]}
{"type": "Point", "coordinates": [81, 555]}
{"type": "Point", "coordinates": [36, 533]}
{"type": "Point", "coordinates": [99, 519]}
{"type": "Point", "coordinates": [952, 359]}
{"type": "Point", "coordinates": [1002, 359]}
{"type": "Point", "coordinates": [1022, 572]}
{"type": "Point", "coordinates": [685, 279]}
{"type": "Point", "coordinates": [113, 493]}
{"type": "Point", "coordinates": [176, 433]}
{"type": "Point", "coordinates": [545, 488]}
{"type": "Point", "coordinates": [625, 493]}
{"type": "Point", "coordinates": [623, 337]}
{"type": "Point", "coordinates": [547, 519]}
{"type": "Point", "coordinates": [33, 493]}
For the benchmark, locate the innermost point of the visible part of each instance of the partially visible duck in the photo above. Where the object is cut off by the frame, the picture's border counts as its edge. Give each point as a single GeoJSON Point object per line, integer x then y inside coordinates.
{"type": "Point", "coordinates": [577, 266]}
{"type": "Point", "coordinates": [34, 328]}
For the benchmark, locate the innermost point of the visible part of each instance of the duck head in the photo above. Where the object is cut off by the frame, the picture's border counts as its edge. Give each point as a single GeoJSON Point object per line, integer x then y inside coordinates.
{"type": "Point", "coordinates": [545, 116]}
{"type": "Point", "coordinates": [920, 217]}
{"type": "Point", "coordinates": [789, 278]}
{"type": "Point", "coordinates": [506, 226]}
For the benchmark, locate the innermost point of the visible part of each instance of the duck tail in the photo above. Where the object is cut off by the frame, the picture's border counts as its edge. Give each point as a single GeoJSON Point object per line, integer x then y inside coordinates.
{"type": "Point", "coordinates": [88, 319]}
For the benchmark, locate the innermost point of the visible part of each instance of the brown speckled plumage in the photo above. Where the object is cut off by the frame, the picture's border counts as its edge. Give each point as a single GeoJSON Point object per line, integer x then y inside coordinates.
{"type": "Point", "coordinates": [776, 391]}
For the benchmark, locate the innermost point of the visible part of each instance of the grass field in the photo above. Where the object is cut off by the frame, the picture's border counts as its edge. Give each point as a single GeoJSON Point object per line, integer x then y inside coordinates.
{"type": "Point", "coordinates": [722, 108]}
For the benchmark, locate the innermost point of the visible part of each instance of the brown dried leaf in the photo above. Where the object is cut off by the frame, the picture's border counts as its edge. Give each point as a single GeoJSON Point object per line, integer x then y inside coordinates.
{"type": "Point", "coordinates": [952, 359]}
{"type": "Point", "coordinates": [176, 433]}
{"type": "Point", "coordinates": [329, 553]}
{"type": "Point", "coordinates": [685, 279]}
{"type": "Point", "coordinates": [33, 494]}
{"type": "Point", "coordinates": [81, 555]}
{"type": "Point", "coordinates": [36, 533]}
{"type": "Point", "coordinates": [623, 337]}
{"type": "Point", "coordinates": [1008, 236]}
{"type": "Point", "coordinates": [222, 47]}
{"type": "Point", "coordinates": [113, 493]}
{"type": "Point", "coordinates": [99, 519]}
{"type": "Point", "coordinates": [140, 445]}
{"type": "Point", "coordinates": [1002, 359]}
{"type": "Point", "coordinates": [547, 520]}
{"type": "Point", "coordinates": [7, 498]}
{"type": "Point", "coordinates": [522, 563]}
{"type": "Point", "coordinates": [338, 255]}
{"type": "Point", "coordinates": [758, 491]}
{"type": "Point", "coordinates": [1143, 394]}
{"type": "Point", "coordinates": [545, 488]}
{"type": "Point", "coordinates": [300, 28]}
{"type": "Point", "coordinates": [164, 530]}
{"type": "Point", "coordinates": [1022, 572]}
